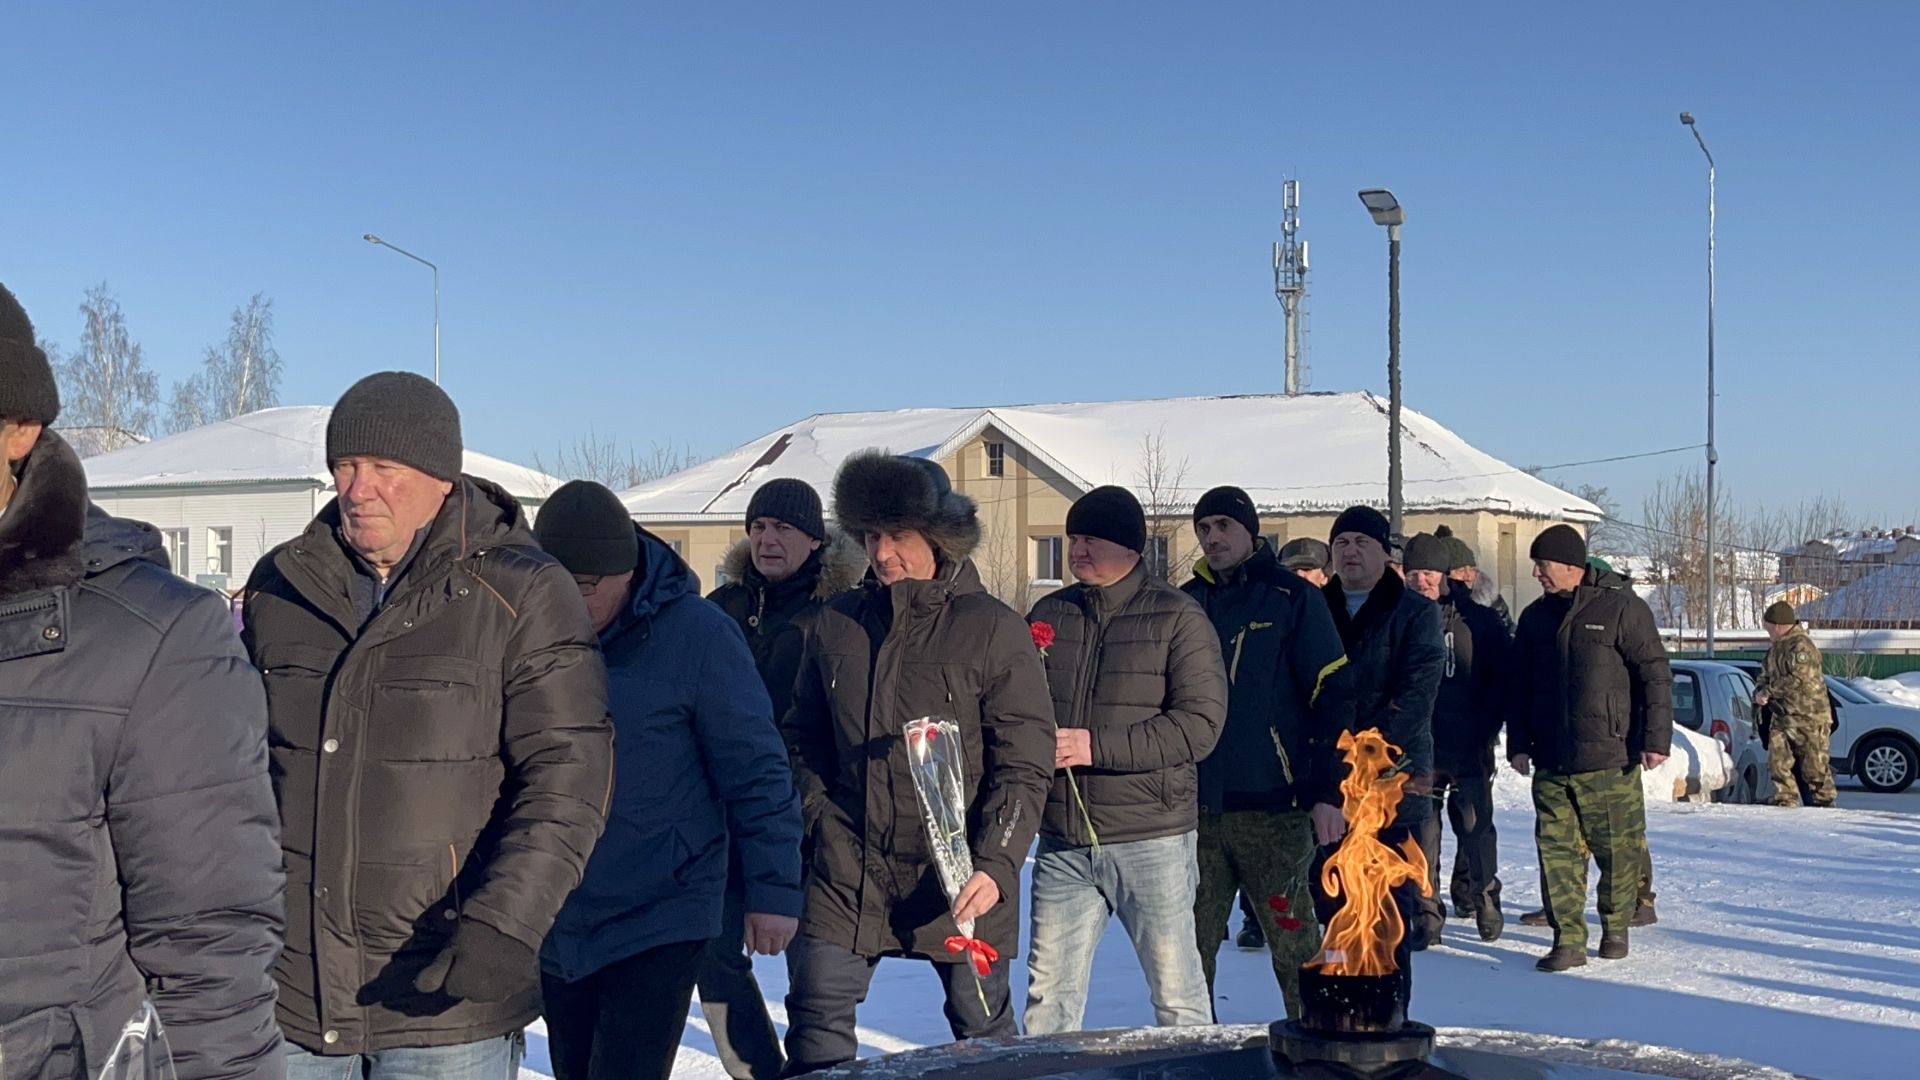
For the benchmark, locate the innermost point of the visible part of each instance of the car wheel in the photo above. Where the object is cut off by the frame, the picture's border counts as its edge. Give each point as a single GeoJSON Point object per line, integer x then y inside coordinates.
{"type": "Point", "coordinates": [1886, 764]}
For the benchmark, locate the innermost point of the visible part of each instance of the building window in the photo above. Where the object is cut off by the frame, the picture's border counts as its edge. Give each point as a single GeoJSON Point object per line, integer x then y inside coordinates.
{"type": "Point", "coordinates": [679, 547]}
{"type": "Point", "coordinates": [996, 459]}
{"type": "Point", "coordinates": [1049, 558]}
{"type": "Point", "coordinates": [1273, 541]}
{"type": "Point", "coordinates": [220, 551]}
{"type": "Point", "coordinates": [175, 541]}
{"type": "Point", "coordinates": [1158, 557]}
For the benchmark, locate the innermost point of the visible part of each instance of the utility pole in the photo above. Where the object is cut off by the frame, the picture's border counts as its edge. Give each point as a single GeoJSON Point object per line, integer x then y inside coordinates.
{"type": "Point", "coordinates": [1290, 282]}
{"type": "Point", "coordinates": [1713, 455]}
{"type": "Point", "coordinates": [1386, 210]}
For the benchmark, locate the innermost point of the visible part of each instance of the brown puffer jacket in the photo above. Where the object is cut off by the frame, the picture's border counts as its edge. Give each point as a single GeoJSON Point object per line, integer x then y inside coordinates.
{"type": "Point", "coordinates": [452, 759]}
{"type": "Point", "coordinates": [876, 658]}
{"type": "Point", "coordinates": [1138, 665]}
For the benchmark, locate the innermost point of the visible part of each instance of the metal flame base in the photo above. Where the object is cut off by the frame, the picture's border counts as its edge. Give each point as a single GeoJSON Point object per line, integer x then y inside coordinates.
{"type": "Point", "coordinates": [1375, 1055]}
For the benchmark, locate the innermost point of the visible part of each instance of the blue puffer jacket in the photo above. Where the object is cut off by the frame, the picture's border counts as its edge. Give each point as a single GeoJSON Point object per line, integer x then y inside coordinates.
{"type": "Point", "coordinates": [697, 759]}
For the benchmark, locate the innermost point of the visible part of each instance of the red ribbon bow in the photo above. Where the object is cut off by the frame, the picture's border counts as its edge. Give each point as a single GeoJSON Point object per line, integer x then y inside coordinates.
{"type": "Point", "coordinates": [979, 953]}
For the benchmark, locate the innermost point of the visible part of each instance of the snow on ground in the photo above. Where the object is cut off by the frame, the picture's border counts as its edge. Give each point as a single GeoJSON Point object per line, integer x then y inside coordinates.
{"type": "Point", "coordinates": [1786, 937]}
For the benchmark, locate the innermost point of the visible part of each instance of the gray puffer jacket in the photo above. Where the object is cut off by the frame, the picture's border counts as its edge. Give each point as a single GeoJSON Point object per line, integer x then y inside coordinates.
{"type": "Point", "coordinates": [1138, 665]}
{"type": "Point", "coordinates": [139, 847]}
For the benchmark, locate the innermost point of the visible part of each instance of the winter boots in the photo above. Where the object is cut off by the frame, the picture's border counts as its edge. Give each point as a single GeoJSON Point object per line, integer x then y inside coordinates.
{"type": "Point", "coordinates": [1490, 922]}
{"type": "Point", "coordinates": [1561, 959]}
{"type": "Point", "coordinates": [1613, 947]}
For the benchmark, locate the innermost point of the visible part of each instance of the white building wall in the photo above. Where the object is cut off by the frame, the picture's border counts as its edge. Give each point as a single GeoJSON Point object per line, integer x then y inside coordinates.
{"type": "Point", "coordinates": [261, 517]}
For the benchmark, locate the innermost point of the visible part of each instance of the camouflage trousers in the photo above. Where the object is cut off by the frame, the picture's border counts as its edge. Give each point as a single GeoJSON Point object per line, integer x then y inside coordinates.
{"type": "Point", "coordinates": [1601, 812]}
{"type": "Point", "coordinates": [1797, 757]}
{"type": "Point", "coordinates": [1269, 856]}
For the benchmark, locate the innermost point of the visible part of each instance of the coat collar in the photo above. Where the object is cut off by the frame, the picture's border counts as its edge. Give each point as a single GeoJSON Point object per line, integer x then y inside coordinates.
{"type": "Point", "coordinates": [41, 531]}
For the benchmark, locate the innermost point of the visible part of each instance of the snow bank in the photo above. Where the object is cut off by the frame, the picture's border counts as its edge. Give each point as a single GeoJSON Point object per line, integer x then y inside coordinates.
{"type": "Point", "coordinates": [1696, 768]}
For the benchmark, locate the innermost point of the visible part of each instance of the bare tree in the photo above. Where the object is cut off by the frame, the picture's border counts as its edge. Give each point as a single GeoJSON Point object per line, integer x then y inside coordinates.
{"type": "Point", "coordinates": [1161, 483]}
{"type": "Point", "coordinates": [1000, 556]}
{"type": "Point", "coordinates": [105, 383]}
{"type": "Point", "coordinates": [1675, 515]}
{"type": "Point", "coordinates": [1608, 536]}
{"type": "Point", "coordinates": [613, 463]}
{"type": "Point", "coordinates": [240, 376]}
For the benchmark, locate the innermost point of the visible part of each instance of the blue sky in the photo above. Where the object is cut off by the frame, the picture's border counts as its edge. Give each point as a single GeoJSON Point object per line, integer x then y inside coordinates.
{"type": "Point", "coordinates": [692, 223]}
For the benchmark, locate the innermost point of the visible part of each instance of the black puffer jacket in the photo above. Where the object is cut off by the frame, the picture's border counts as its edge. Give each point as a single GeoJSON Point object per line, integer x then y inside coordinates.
{"type": "Point", "coordinates": [450, 760]}
{"type": "Point", "coordinates": [877, 658]}
{"type": "Point", "coordinates": [1473, 697]}
{"type": "Point", "coordinates": [775, 616]}
{"type": "Point", "coordinates": [1289, 694]}
{"type": "Point", "coordinates": [1397, 657]}
{"type": "Point", "coordinates": [139, 850]}
{"type": "Point", "coordinates": [1590, 688]}
{"type": "Point", "coordinates": [1138, 665]}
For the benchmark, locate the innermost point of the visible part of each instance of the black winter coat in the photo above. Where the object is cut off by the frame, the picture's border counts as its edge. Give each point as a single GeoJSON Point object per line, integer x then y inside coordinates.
{"type": "Point", "coordinates": [1289, 694]}
{"type": "Point", "coordinates": [775, 616]}
{"type": "Point", "coordinates": [877, 658]}
{"type": "Point", "coordinates": [1590, 686]}
{"type": "Point", "coordinates": [1395, 650]}
{"type": "Point", "coordinates": [139, 850]}
{"type": "Point", "coordinates": [1138, 665]}
{"type": "Point", "coordinates": [1467, 715]}
{"type": "Point", "coordinates": [450, 760]}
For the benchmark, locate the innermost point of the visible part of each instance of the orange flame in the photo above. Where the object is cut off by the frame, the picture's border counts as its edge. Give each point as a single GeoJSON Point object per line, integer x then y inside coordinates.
{"type": "Point", "coordinates": [1363, 934]}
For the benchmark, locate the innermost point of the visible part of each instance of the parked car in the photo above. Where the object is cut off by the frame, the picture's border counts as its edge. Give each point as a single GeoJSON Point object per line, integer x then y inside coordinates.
{"type": "Point", "coordinates": [1716, 699]}
{"type": "Point", "coordinates": [1875, 741]}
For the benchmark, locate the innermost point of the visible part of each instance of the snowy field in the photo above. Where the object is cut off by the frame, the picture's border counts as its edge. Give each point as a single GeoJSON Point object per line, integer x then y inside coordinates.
{"type": "Point", "coordinates": [1786, 937]}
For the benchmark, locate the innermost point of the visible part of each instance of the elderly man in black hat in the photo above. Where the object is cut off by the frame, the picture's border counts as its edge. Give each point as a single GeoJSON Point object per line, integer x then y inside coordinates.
{"type": "Point", "coordinates": [1140, 695]}
{"type": "Point", "coordinates": [778, 577]}
{"type": "Point", "coordinates": [440, 746]}
{"type": "Point", "coordinates": [920, 638]}
{"type": "Point", "coordinates": [140, 851]}
{"type": "Point", "coordinates": [702, 795]}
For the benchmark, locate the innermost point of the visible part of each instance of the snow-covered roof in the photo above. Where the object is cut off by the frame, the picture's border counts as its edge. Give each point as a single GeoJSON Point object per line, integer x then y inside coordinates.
{"type": "Point", "coordinates": [1851, 546]}
{"type": "Point", "coordinates": [272, 445]}
{"type": "Point", "coordinates": [1891, 594]}
{"type": "Point", "coordinates": [1304, 454]}
{"type": "Point", "coordinates": [93, 440]}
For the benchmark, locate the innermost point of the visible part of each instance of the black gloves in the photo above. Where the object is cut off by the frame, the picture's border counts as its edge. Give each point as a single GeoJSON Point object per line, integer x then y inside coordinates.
{"type": "Point", "coordinates": [480, 964]}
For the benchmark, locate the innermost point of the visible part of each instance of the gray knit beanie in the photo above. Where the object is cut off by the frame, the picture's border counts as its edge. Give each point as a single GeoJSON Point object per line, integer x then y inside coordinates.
{"type": "Point", "coordinates": [399, 416]}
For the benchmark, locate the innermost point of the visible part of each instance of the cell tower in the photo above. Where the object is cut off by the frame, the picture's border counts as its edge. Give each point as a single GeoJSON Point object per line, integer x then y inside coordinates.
{"type": "Point", "coordinates": [1290, 284]}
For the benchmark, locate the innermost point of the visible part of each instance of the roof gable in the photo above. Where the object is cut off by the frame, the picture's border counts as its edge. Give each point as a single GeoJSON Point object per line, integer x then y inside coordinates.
{"type": "Point", "coordinates": [1304, 454]}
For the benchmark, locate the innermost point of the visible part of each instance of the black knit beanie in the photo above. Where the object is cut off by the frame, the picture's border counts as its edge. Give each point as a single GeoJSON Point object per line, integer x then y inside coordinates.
{"type": "Point", "coordinates": [1110, 513]}
{"type": "Point", "coordinates": [1562, 544]}
{"type": "Point", "coordinates": [399, 416]}
{"type": "Point", "coordinates": [1459, 550]}
{"type": "Point", "coordinates": [27, 389]}
{"type": "Point", "coordinates": [1428, 552]}
{"type": "Point", "coordinates": [1780, 613]}
{"type": "Point", "coordinates": [792, 501]}
{"type": "Point", "coordinates": [1230, 502]}
{"type": "Point", "coordinates": [1364, 520]}
{"type": "Point", "coordinates": [585, 526]}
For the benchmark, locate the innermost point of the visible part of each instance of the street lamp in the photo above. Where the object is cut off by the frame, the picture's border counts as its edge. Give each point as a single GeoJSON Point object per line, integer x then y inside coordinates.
{"type": "Point", "coordinates": [372, 239]}
{"type": "Point", "coordinates": [1713, 455]}
{"type": "Point", "coordinates": [1386, 210]}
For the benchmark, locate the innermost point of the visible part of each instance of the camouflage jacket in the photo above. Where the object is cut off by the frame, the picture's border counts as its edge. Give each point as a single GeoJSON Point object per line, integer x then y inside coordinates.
{"type": "Point", "coordinates": [1792, 678]}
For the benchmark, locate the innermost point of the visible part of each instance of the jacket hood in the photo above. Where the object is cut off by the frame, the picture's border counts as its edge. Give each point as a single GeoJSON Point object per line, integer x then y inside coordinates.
{"type": "Point", "coordinates": [664, 577]}
{"type": "Point", "coordinates": [110, 541]}
{"type": "Point", "coordinates": [1603, 577]}
{"type": "Point", "coordinates": [42, 527]}
{"type": "Point", "coordinates": [838, 566]}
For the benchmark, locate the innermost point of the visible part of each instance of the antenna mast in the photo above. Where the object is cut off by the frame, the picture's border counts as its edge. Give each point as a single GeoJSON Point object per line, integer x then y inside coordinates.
{"type": "Point", "coordinates": [1290, 284]}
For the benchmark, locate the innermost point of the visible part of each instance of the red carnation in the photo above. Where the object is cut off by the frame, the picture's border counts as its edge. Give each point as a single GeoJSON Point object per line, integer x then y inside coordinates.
{"type": "Point", "coordinates": [1042, 635]}
{"type": "Point", "coordinates": [1278, 903]}
{"type": "Point", "coordinates": [1290, 923]}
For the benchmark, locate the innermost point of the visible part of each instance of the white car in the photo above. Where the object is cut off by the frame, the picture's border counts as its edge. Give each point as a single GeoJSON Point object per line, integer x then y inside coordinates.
{"type": "Point", "coordinates": [1875, 741]}
{"type": "Point", "coordinates": [1715, 698]}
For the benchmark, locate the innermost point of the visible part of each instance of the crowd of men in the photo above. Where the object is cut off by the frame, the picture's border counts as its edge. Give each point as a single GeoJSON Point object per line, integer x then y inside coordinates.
{"type": "Point", "coordinates": [389, 824]}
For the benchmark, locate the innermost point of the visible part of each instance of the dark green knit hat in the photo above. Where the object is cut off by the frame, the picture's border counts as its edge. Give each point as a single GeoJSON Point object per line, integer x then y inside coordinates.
{"type": "Point", "coordinates": [1780, 613]}
{"type": "Point", "coordinates": [1458, 551]}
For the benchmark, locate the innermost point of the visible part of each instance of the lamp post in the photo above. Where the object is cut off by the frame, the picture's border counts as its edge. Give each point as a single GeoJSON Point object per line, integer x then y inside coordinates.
{"type": "Point", "coordinates": [1386, 210]}
{"type": "Point", "coordinates": [1713, 455]}
{"type": "Point", "coordinates": [372, 239]}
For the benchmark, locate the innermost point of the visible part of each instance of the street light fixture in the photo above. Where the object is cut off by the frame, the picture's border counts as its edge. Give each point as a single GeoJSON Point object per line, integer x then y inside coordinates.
{"type": "Point", "coordinates": [1713, 455]}
{"type": "Point", "coordinates": [372, 239]}
{"type": "Point", "coordinates": [1386, 210]}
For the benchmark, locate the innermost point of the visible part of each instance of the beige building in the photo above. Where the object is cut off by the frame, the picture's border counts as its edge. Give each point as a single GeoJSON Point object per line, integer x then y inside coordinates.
{"type": "Point", "coordinates": [1302, 459]}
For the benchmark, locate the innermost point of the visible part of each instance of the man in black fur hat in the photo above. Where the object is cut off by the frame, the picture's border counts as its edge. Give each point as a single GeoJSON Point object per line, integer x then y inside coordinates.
{"type": "Point", "coordinates": [921, 637]}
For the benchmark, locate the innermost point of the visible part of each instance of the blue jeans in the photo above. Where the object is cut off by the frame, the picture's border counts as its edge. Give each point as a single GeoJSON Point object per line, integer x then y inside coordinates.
{"type": "Point", "coordinates": [1150, 885]}
{"type": "Point", "coordinates": [489, 1059]}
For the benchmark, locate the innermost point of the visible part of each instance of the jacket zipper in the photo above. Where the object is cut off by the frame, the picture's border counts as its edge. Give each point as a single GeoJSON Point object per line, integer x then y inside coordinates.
{"type": "Point", "coordinates": [759, 609]}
